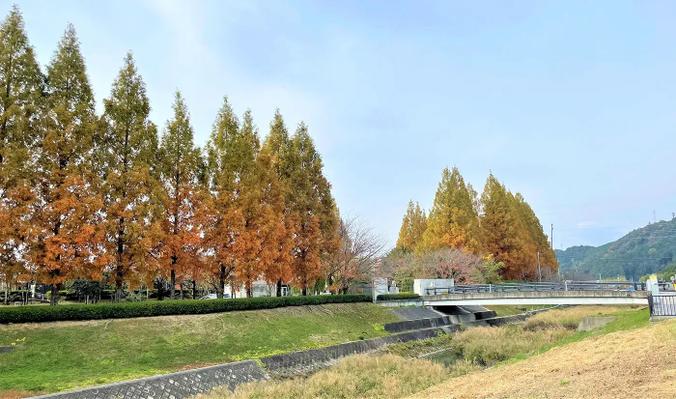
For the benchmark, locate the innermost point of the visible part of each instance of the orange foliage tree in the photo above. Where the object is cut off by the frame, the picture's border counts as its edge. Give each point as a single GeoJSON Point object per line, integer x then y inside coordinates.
{"type": "Point", "coordinates": [179, 170]}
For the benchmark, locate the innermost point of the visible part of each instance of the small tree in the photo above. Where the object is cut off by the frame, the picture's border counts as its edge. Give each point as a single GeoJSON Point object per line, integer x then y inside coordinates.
{"type": "Point", "coordinates": [356, 257]}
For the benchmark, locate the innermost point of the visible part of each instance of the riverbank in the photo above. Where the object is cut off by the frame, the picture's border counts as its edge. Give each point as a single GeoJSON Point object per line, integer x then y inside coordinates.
{"type": "Point", "coordinates": [414, 366]}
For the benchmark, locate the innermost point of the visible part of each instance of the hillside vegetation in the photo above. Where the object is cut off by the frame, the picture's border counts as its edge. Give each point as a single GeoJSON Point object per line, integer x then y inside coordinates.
{"type": "Point", "coordinates": [642, 251]}
{"type": "Point", "coordinates": [56, 356]}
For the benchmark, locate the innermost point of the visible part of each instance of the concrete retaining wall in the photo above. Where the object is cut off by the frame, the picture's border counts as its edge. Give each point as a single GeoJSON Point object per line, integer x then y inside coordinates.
{"type": "Point", "coordinates": [500, 321]}
{"type": "Point", "coordinates": [408, 325]}
{"type": "Point", "coordinates": [172, 386]}
{"type": "Point", "coordinates": [300, 362]}
{"type": "Point", "coordinates": [184, 384]}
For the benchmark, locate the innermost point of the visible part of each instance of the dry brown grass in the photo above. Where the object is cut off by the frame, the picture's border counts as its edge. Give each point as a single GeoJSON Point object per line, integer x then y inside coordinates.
{"type": "Point", "coordinates": [486, 346]}
{"type": "Point", "coordinates": [625, 364]}
{"type": "Point", "coordinates": [363, 376]}
{"type": "Point", "coordinates": [16, 394]}
{"type": "Point", "coordinates": [568, 318]}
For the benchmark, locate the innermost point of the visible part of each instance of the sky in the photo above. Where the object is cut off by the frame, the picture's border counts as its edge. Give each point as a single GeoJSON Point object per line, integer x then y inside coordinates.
{"type": "Point", "coordinates": [572, 104]}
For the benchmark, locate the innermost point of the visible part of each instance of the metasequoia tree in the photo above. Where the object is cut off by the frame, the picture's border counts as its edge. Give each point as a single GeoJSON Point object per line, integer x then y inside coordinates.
{"type": "Point", "coordinates": [179, 170]}
{"type": "Point", "coordinates": [67, 218]}
{"type": "Point", "coordinates": [225, 221]}
{"type": "Point", "coordinates": [413, 227]}
{"type": "Point", "coordinates": [21, 98]}
{"type": "Point", "coordinates": [85, 197]}
{"type": "Point", "coordinates": [132, 191]}
{"type": "Point", "coordinates": [453, 220]}
{"type": "Point", "coordinates": [272, 173]}
{"type": "Point", "coordinates": [536, 257]}
{"type": "Point", "coordinates": [315, 216]}
{"type": "Point", "coordinates": [246, 202]}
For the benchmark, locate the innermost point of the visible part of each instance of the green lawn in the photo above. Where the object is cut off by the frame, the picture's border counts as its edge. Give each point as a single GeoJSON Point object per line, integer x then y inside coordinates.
{"type": "Point", "coordinates": [57, 356]}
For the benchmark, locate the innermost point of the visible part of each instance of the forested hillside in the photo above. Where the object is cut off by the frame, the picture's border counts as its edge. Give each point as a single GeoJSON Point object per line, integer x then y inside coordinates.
{"type": "Point", "coordinates": [642, 251]}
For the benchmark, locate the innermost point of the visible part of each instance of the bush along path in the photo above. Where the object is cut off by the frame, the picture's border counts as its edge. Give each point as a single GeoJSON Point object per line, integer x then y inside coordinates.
{"type": "Point", "coordinates": [39, 314]}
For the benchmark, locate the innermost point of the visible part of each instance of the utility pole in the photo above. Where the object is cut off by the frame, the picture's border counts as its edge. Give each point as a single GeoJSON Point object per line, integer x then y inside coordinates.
{"type": "Point", "coordinates": [551, 237]}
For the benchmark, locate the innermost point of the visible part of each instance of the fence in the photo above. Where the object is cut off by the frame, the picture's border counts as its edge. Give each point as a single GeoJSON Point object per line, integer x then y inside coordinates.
{"type": "Point", "coordinates": [662, 304]}
{"type": "Point", "coordinates": [620, 286]}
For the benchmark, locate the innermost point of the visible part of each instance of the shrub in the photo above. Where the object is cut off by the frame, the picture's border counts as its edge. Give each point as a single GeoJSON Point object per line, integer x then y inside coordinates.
{"type": "Point", "coordinates": [37, 314]}
{"type": "Point", "coordinates": [400, 296]}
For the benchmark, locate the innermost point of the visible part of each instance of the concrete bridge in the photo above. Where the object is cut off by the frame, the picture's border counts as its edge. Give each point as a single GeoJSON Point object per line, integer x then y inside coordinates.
{"type": "Point", "coordinates": [571, 297]}
{"type": "Point", "coordinates": [545, 293]}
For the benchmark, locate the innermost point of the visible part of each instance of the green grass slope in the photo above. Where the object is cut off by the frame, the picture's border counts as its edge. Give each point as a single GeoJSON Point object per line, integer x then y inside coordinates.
{"type": "Point", "coordinates": [57, 356]}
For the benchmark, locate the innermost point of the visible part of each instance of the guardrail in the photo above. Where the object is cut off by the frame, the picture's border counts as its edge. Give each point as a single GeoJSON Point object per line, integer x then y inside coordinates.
{"type": "Point", "coordinates": [662, 304]}
{"type": "Point", "coordinates": [543, 287]}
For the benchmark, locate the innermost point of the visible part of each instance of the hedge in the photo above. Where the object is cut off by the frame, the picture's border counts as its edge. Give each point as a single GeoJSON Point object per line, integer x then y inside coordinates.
{"type": "Point", "coordinates": [38, 314]}
{"type": "Point", "coordinates": [400, 296]}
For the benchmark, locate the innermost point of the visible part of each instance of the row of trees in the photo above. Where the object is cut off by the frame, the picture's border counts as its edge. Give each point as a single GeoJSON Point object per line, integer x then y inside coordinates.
{"type": "Point", "coordinates": [497, 226]}
{"type": "Point", "coordinates": [87, 196]}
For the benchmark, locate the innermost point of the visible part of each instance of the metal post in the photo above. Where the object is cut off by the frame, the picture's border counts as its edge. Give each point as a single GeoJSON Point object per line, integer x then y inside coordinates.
{"type": "Point", "coordinates": [565, 285]}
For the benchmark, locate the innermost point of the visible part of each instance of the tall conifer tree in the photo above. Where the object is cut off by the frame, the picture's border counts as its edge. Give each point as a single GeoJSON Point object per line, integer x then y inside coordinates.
{"type": "Point", "coordinates": [273, 172]}
{"type": "Point", "coordinates": [498, 227]}
{"type": "Point", "coordinates": [224, 222]}
{"type": "Point", "coordinates": [69, 242]}
{"type": "Point", "coordinates": [251, 258]}
{"type": "Point", "coordinates": [132, 190]}
{"type": "Point", "coordinates": [536, 258]}
{"type": "Point", "coordinates": [313, 210]}
{"type": "Point", "coordinates": [21, 101]}
{"type": "Point", "coordinates": [179, 171]}
{"type": "Point", "coordinates": [453, 220]}
{"type": "Point", "coordinates": [413, 227]}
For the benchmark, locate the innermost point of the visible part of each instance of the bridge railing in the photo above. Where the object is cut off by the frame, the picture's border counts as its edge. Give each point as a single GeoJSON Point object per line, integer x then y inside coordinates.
{"type": "Point", "coordinates": [662, 304]}
{"type": "Point", "coordinates": [542, 286]}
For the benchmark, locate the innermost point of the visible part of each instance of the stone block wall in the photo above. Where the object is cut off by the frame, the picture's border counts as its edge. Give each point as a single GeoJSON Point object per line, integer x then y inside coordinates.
{"type": "Point", "coordinates": [172, 386]}
{"type": "Point", "coordinates": [305, 361]}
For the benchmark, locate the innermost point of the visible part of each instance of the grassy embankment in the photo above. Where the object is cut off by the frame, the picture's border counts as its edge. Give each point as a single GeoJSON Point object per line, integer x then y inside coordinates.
{"type": "Point", "coordinates": [50, 357]}
{"type": "Point", "coordinates": [468, 353]}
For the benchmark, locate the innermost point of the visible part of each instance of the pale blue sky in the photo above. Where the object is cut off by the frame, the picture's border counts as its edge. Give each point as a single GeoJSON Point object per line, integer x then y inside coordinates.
{"type": "Point", "coordinates": [572, 103]}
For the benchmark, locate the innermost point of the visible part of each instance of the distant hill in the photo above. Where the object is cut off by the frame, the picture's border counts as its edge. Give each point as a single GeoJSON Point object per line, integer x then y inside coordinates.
{"type": "Point", "coordinates": [643, 251]}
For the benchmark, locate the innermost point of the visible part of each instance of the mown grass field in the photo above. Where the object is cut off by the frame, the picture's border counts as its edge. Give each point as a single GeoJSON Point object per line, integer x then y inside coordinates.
{"type": "Point", "coordinates": [51, 357]}
{"type": "Point", "coordinates": [469, 353]}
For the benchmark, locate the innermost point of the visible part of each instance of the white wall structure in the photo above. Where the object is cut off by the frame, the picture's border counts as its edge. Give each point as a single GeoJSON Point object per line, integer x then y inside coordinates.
{"type": "Point", "coordinates": [420, 286]}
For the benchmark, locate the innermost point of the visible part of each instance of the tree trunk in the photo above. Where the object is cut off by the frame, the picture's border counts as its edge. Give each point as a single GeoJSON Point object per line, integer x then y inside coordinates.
{"type": "Point", "coordinates": [194, 289]}
{"type": "Point", "coordinates": [279, 287]}
{"type": "Point", "coordinates": [304, 290]}
{"type": "Point", "coordinates": [172, 290]}
{"type": "Point", "coordinates": [55, 294]}
{"type": "Point", "coordinates": [118, 290]}
{"type": "Point", "coordinates": [221, 282]}
{"type": "Point", "coordinates": [248, 289]}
